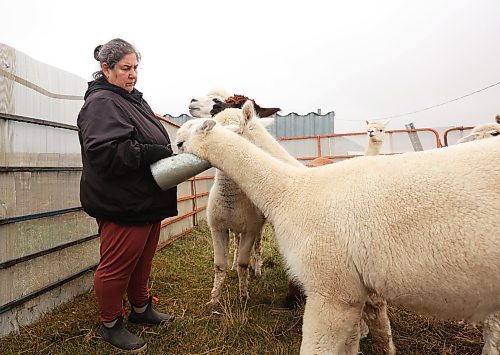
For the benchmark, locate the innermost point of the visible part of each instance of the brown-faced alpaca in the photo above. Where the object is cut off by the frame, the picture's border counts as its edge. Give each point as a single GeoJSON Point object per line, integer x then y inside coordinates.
{"type": "Point", "coordinates": [218, 100]}
{"type": "Point", "coordinates": [376, 133]}
{"type": "Point", "coordinates": [200, 107]}
{"type": "Point", "coordinates": [237, 101]}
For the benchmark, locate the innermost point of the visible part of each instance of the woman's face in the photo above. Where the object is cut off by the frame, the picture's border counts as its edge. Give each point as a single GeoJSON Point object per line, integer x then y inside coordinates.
{"type": "Point", "coordinates": [124, 74]}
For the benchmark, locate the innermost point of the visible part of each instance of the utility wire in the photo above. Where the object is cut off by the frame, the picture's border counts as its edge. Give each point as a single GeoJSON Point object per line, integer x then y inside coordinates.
{"type": "Point", "coordinates": [434, 106]}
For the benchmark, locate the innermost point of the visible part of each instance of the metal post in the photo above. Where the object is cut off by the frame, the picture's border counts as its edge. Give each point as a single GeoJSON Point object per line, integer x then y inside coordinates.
{"type": "Point", "coordinates": [415, 141]}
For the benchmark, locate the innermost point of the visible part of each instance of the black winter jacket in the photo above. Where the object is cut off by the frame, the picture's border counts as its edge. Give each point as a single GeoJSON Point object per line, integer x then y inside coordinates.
{"type": "Point", "coordinates": [120, 137]}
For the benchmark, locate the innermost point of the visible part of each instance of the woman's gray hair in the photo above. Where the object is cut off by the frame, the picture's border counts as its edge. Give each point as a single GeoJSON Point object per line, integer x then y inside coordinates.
{"type": "Point", "coordinates": [111, 53]}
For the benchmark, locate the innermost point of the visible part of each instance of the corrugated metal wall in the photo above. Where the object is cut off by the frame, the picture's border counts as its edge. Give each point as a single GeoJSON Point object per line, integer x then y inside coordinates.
{"type": "Point", "coordinates": [290, 125]}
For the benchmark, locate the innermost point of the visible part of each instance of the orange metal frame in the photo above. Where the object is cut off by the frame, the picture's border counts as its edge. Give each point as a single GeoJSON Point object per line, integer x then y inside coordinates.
{"type": "Point", "coordinates": [321, 136]}
{"type": "Point", "coordinates": [445, 134]}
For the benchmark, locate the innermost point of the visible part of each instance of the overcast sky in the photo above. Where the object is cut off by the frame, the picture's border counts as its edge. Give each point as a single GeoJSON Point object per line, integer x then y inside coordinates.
{"type": "Point", "coordinates": [362, 59]}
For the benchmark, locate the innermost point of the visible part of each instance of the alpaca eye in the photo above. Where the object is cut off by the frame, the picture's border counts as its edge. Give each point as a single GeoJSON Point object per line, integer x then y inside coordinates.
{"type": "Point", "coordinates": [179, 144]}
{"type": "Point", "coordinates": [494, 134]}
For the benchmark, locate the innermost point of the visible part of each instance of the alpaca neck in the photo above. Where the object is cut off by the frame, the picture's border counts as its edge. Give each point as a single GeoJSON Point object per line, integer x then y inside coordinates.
{"type": "Point", "coordinates": [374, 147]}
{"type": "Point", "coordinates": [260, 176]}
{"type": "Point", "coordinates": [269, 144]}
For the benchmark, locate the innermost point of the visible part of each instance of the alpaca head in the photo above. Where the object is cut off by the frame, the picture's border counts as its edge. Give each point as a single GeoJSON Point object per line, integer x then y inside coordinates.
{"type": "Point", "coordinates": [191, 133]}
{"type": "Point", "coordinates": [483, 131]}
{"type": "Point", "coordinates": [237, 101]}
{"type": "Point", "coordinates": [217, 101]}
{"type": "Point", "coordinates": [243, 121]}
{"type": "Point", "coordinates": [200, 107]}
{"type": "Point", "coordinates": [376, 130]}
{"type": "Point", "coordinates": [248, 124]}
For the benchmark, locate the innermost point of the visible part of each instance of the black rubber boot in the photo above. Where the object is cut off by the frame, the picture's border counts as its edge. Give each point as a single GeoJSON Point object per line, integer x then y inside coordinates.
{"type": "Point", "coordinates": [149, 316]}
{"type": "Point", "coordinates": [121, 338]}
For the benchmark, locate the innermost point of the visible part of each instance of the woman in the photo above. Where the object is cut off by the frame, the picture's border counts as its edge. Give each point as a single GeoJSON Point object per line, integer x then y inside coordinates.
{"type": "Point", "coordinates": [120, 137]}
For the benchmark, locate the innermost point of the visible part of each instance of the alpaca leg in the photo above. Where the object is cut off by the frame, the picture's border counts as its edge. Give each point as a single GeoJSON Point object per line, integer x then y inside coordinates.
{"type": "Point", "coordinates": [220, 239]}
{"type": "Point", "coordinates": [245, 249]}
{"type": "Point", "coordinates": [330, 326]}
{"type": "Point", "coordinates": [491, 334]}
{"type": "Point", "coordinates": [257, 255]}
{"type": "Point", "coordinates": [375, 316]}
{"type": "Point", "coordinates": [237, 237]}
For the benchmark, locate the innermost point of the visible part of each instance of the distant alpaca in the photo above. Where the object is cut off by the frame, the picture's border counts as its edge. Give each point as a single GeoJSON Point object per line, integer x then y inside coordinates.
{"type": "Point", "coordinates": [341, 253]}
{"type": "Point", "coordinates": [376, 132]}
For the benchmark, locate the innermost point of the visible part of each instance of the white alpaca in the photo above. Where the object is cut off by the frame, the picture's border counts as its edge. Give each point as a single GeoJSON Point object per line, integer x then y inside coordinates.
{"type": "Point", "coordinates": [486, 130]}
{"type": "Point", "coordinates": [376, 132]}
{"type": "Point", "coordinates": [375, 315]}
{"type": "Point", "coordinates": [343, 235]}
{"type": "Point", "coordinates": [491, 326]}
{"type": "Point", "coordinates": [229, 209]}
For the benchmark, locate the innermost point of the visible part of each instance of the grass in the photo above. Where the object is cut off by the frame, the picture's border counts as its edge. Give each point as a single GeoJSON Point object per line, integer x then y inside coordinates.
{"type": "Point", "coordinates": [182, 279]}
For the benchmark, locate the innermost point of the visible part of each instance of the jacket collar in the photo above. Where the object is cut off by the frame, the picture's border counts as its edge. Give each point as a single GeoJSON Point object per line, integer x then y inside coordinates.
{"type": "Point", "coordinates": [102, 84]}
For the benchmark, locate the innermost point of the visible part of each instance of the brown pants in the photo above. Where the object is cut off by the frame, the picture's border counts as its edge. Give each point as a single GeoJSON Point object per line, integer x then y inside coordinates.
{"type": "Point", "coordinates": [126, 257]}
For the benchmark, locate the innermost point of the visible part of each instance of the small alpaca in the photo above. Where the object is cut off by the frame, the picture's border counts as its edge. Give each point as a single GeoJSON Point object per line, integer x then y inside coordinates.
{"type": "Point", "coordinates": [224, 212]}
{"type": "Point", "coordinates": [341, 253]}
{"type": "Point", "coordinates": [229, 209]}
{"type": "Point", "coordinates": [376, 132]}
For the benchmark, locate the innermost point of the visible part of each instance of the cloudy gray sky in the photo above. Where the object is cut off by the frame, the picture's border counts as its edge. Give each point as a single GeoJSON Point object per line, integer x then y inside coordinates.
{"type": "Point", "coordinates": [362, 59]}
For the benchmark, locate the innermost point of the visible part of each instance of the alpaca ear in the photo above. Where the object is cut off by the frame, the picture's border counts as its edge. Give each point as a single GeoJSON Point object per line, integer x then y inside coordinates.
{"type": "Point", "coordinates": [266, 111]}
{"type": "Point", "coordinates": [248, 111]}
{"type": "Point", "coordinates": [205, 127]}
{"type": "Point", "coordinates": [266, 121]}
{"type": "Point", "coordinates": [367, 122]}
{"type": "Point", "coordinates": [469, 138]}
